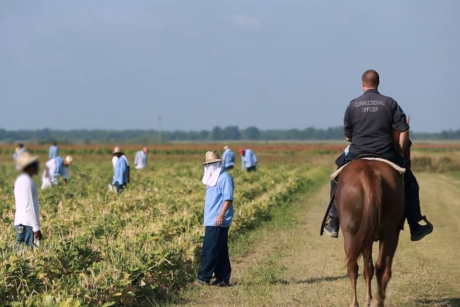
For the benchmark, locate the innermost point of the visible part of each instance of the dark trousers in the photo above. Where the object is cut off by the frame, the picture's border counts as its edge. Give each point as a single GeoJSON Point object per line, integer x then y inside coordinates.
{"type": "Point", "coordinates": [251, 169]}
{"type": "Point", "coordinates": [215, 258]}
{"type": "Point", "coordinates": [411, 187]}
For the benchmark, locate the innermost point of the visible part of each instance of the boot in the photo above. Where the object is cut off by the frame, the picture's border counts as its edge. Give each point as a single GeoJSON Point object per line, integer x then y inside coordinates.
{"type": "Point", "coordinates": [418, 232]}
{"type": "Point", "coordinates": [413, 210]}
{"type": "Point", "coordinates": [332, 227]}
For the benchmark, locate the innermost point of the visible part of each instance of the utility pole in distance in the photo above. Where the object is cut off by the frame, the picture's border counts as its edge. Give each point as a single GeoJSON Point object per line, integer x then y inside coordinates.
{"type": "Point", "coordinates": [159, 129]}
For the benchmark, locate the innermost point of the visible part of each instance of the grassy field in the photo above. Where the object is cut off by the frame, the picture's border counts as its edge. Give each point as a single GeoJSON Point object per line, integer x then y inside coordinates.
{"type": "Point", "coordinates": [142, 248]}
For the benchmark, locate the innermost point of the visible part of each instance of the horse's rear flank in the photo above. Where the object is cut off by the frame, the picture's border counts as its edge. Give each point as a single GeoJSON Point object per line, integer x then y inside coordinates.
{"type": "Point", "coordinates": [370, 202]}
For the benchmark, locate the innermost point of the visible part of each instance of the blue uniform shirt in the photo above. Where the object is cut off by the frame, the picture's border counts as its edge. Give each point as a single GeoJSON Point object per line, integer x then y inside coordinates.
{"type": "Point", "coordinates": [121, 172]}
{"type": "Point", "coordinates": [215, 197]}
{"type": "Point", "coordinates": [54, 152]}
{"type": "Point", "coordinates": [229, 158]}
{"type": "Point", "coordinates": [249, 159]}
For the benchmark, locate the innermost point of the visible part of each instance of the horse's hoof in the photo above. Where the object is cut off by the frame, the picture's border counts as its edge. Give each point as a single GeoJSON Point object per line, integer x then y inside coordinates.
{"type": "Point", "coordinates": [375, 303]}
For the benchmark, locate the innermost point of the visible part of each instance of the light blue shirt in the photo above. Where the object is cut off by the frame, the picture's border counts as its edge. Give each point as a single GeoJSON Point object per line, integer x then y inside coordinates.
{"type": "Point", "coordinates": [228, 157]}
{"type": "Point", "coordinates": [215, 198]}
{"type": "Point", "coordinates": [120, 173]}
{"type": "Point", "coordinates": [140, 161]}
{"type": "Point", "coordinates": [249, 159]}
{"type": "Point", "coordinates": [58, 170]}
{"type": "Point", "coordinates": [54, 152]}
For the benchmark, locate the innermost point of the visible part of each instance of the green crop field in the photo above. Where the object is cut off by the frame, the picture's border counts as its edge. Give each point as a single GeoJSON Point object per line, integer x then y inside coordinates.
{"type": "Point", "coordinates": [142, 248]}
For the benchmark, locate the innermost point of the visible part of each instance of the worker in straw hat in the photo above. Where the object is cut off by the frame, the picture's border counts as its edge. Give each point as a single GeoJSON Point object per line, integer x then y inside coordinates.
{"type": "Point", "coordinates": [228, 158]}
{"type": "Point", "coordinates": [121, 172]}
{"type": "Point", "coordinates": [218, 215]}
{"type": "Point", "coordinates": [115, 155]}
{"type": "Point", "coordinates": [26, 218]}
{"type": "Point", "coordinates": [54, 169]}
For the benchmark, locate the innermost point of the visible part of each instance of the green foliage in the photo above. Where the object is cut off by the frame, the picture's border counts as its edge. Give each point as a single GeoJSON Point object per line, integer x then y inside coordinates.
{"type": "Point", "coordinates": [104, 249]}
{"type": "Point", "coordinates": [440, 165]}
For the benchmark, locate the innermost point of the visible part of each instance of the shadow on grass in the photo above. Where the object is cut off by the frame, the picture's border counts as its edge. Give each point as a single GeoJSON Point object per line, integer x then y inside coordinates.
{"type": "Point", "coordinates": [447, 302]}
{"type": "Point", "coordinates": [295, 282]}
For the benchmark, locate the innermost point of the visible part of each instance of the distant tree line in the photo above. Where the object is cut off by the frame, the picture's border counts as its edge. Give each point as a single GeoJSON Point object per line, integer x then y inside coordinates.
{"type": "Point", "coordinates": [230, 133]}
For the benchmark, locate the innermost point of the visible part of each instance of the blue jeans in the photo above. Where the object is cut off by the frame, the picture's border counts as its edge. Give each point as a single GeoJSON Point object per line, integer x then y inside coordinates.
{"type": "Point", "coordinates": [24, 235]}
{"type": "Point", "coordinates": [215, 258]}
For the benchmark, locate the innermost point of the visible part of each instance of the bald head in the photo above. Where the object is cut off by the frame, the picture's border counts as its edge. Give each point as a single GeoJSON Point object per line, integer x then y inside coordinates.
{"type": "Point", "coordinates": [371, 79]}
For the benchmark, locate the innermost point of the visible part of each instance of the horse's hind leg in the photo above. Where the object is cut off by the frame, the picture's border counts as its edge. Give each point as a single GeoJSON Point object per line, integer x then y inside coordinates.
{"type": "Point", "coordinates": [368, 273]}
{"type": "Point", "coordinates": [353, 269]}
{"type": "Point", "coordinates": [383, 268]}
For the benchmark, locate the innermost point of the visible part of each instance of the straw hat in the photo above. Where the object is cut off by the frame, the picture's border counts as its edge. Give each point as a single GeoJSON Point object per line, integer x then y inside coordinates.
{"type": "Point", "coordinates": [25, 159]}
{"type": "Point", "coordinates": [117, 150]}
{"type": "Point", "coordinates": [212, 157]}
{"type": "Point", "coordinates": [226, 147]}
{"type": "Point", "coordinates": [69, 160]}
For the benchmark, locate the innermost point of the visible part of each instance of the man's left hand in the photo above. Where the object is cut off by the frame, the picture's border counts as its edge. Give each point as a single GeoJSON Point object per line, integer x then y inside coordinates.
{"type": "Point", "coordinates": [219, 220]}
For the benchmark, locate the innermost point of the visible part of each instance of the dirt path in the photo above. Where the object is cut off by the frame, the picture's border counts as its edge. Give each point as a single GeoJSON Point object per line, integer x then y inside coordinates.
{"type": "Point", "coordinates": [294, 266]}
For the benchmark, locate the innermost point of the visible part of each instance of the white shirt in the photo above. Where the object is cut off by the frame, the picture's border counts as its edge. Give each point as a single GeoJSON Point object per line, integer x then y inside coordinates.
{"type": "Point", "coordinates": [51, 165]}
{"type": "Point", "coordinates": [115, 158]}
{"type": "Point", "coordinates": [26, 198]}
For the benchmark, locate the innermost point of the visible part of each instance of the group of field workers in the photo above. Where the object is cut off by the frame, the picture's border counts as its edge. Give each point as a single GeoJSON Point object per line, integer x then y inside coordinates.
{"type": "Point", "coordinates": [218, 208]}
{"type": "Point", "coordinates": [27, 218]}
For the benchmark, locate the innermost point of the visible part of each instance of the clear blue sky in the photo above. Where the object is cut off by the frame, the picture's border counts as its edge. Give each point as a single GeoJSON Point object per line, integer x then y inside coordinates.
{"type": "Point", "coordinates": [271, 64]}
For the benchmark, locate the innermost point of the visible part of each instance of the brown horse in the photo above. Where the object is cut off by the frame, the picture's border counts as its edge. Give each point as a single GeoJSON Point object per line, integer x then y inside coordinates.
{"type": "Point", "coordinates": [370, 203]}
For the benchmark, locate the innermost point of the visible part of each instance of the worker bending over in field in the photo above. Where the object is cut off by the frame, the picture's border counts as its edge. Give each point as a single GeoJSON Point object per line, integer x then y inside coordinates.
{"type": "Point", "coordinates": [120, 177]}
{"type": "Point", "coordinates": [248, 159]}
{"type": "Point", "coordinates": [115, 159]}
{"type": "Point", "coordinates": [54, 169]}
{"type": "Point", "coordinates": [229, 158]}
{"type": "Point", "coordinates": [140, 161]}
{"type": "Point", "coordinates": [17, 152]}
{"type": "Point", "coordinates": [218, 215]}
{"type": "Point", "coordinates": [54, 151]}
{"type": "Point", "coordinates": [26, 218]}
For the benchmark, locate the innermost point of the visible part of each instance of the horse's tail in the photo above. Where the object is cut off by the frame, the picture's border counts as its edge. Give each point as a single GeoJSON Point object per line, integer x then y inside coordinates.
{"type": "Point", "coordinates": [370, 221]}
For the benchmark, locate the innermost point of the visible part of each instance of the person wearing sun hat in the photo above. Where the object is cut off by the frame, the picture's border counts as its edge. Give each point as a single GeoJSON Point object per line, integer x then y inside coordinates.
{"type": "Point", "coordinates": [26, 218]}
{"type": "Point", "coordinates": [121, 172]}
{"type": "Point", "coordinates": [228, 158]}
{"type": "Point", "coordinates": [54, 169]}
{"type": "Point", "coordinates": [218, 215]}
{"type": "Point", "coordinates": [116, 155]}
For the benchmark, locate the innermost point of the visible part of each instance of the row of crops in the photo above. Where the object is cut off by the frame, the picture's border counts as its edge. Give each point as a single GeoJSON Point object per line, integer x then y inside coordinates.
{"type": "Point", "coordinates": [103, 249]}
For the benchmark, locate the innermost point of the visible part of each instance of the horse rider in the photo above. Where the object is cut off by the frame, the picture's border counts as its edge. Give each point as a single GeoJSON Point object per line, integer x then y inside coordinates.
{"type": "Point", "coordinates": [368, 125]}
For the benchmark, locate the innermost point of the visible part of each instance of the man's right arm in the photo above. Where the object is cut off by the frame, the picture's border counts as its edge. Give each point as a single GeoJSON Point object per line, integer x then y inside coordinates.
{"type": "Point", "coordinates": [401, 124]}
